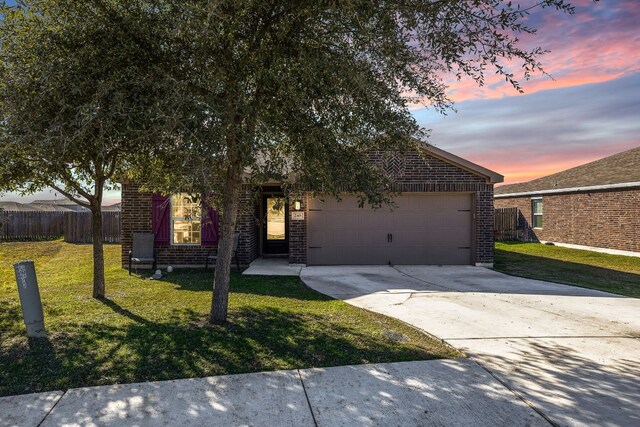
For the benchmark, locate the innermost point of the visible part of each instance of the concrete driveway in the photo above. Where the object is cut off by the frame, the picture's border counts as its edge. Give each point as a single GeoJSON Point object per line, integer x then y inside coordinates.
{"type": "Point", "coordinates": [573, 354]}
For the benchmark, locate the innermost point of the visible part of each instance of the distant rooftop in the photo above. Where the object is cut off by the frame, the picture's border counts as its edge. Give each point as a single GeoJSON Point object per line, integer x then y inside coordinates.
{"type": "Point", "coordinates": [55, 207]}
{"type": "Point", "coordinates": [62, 202]}
{"type": "Point", "coordinates": [618, 170]}
{"type": "Point", "coordinates": [15, 206]}
{"type": "Point", "coordinates": [60, 205]}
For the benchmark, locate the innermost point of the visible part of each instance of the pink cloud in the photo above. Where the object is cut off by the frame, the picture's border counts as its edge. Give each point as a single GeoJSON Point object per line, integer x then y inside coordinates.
{"type": "Point", "coordinates": [597, 44]}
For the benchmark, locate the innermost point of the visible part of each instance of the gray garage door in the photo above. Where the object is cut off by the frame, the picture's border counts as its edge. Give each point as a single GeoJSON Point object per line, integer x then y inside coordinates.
{"type": "Point", "coordinates": [425, 228]}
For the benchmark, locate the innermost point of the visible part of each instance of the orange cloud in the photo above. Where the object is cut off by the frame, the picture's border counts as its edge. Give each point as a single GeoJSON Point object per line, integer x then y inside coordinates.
{"type": "Point", "coordinates": [527, 167]}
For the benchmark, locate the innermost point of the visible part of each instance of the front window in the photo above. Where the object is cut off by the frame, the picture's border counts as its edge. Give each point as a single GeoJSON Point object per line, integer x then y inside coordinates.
{"type": "Point", "coordinates": [185, 220]}
{"type": "Point", "coordinates": [536, 211]}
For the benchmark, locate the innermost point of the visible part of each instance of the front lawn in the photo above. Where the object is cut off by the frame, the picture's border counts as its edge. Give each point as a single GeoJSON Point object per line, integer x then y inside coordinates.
{"type": "Point", "coordinates": [611, 273]}
{"type": "Point", "coordinates": [156, 330]}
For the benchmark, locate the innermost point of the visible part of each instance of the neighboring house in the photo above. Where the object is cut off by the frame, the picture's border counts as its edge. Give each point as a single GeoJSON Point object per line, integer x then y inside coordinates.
{"type": "Point", "coordinates": [595, 205]}
{"type": "Point", "coordinates": [111, 208]}
{"type": "Point", "coordinates": [59, 205]}
{"type": "Point", "coordinates": [15, 206]}
{"type": "Point", "coordinates": [444, 215]}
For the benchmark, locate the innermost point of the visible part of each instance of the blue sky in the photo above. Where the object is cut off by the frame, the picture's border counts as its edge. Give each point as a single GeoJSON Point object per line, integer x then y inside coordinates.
{"type": "Point", "coordinates": [589, 110]}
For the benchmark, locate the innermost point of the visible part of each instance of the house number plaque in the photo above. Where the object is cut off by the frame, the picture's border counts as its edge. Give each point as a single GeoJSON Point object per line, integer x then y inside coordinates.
{"type": "Point", "coordinates": [297, 216]}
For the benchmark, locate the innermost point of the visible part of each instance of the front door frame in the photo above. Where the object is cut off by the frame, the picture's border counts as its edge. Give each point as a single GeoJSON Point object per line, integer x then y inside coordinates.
{"type": "Point", "coordinates": [273, 247]}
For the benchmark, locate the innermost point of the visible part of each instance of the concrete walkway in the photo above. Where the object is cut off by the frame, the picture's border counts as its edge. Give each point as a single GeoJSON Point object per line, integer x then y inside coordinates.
{"type": "Point", "coordinates": [273, 267]}
{"type": "Point", "coordinates": [439, 392]}
{"type": "Point", "coordinates": [573, 353]}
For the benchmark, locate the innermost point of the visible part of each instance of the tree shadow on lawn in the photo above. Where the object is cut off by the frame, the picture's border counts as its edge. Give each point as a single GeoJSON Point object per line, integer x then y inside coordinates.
{"type": "Point", "coordinates": [566, 272]}
{"type": "Point", "coordinates": [195, 280]}
{"type": "Point", "coordinates": [255, 339]}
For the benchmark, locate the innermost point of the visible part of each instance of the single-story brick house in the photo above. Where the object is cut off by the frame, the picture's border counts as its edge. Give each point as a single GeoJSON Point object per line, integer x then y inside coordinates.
{"type": "Point", "coordinates": [444, 215]}
{"type": "Point", "coordinates": [595, 205]}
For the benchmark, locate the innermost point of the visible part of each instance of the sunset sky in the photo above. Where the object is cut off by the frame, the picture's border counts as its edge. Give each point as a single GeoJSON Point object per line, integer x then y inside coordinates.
{"type": "Point", "coordinates": [589, 110]}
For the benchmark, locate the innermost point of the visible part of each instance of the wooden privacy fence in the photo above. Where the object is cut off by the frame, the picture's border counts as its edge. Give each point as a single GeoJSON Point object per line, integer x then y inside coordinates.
{"type": "Point", "coordinates": [77, 227]}
{"type": "Point", "coordinates": [74, 226]}
{"type": "Point", "coordinates": [505, 224]}
{"type": "Point", "coordinates": [30, 225]}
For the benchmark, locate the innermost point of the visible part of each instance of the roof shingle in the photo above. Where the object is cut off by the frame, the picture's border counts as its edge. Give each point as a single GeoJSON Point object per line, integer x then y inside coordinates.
{"type": "Point", "coordinates": [617, 169]}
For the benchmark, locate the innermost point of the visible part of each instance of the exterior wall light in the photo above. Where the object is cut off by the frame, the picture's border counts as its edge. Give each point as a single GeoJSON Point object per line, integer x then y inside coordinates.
{"type": "Point", "coordinates": [297, 205]}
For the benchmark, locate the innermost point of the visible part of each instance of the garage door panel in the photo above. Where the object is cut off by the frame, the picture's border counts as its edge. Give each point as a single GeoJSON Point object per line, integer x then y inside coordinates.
{"type": "Point", "coordinates": [443, 236]}
{"type": "Point", "coordinates": [408, 238]}
{"type": "Point", "coordinates": [446, 256]}
{"type": "Point", "coordinates": [373, 238]}
{"type": "Point", "coordinates": [427, 228]}
{"type": "Point", "coordinates": [457, 236]}
{"type": "Point", "coordinates": [318, 256]}
{"type": "Point", "coordinates": [409, 255]}
{"type": "Point", "coordinates": [446, 219]}
{"type": "Point", "coordinates": [435, 255]}
{"type": "Point", "coordinates": [360, 255]}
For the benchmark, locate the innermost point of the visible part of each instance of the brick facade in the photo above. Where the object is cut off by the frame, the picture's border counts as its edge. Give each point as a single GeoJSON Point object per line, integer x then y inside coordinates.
{"type": "Point", "coordinates": [414, 172]}
{"type": "Point", "coordinates": [417, 172]}
{"type": "Point", "coordinates": [298, 234]}
{"type": "Point", "coordinates": [603, 219]}
{"type": "Point", "coordinates": [420, 173]}
{"type": "Point", "coordinates": [136, 216]}
{"type": "Point", "coordinates": [249, 226]}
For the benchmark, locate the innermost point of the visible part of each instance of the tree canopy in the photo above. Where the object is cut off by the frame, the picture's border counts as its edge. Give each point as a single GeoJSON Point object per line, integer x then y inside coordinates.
{"type": "Point", "coordinates": [236, 91]}
{"type": "Point", "coordinates": [79, 87]}
{"type": "Point", "coordinates": [303, 91]}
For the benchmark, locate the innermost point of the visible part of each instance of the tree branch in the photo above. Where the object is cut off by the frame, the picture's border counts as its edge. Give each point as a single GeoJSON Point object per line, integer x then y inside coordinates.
{"type": "Point", "coordinates": [71, 197]}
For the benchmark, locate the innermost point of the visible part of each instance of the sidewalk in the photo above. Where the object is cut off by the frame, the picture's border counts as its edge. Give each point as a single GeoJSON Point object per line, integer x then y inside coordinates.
{"type": "Point", "coordinates": [438, 392]}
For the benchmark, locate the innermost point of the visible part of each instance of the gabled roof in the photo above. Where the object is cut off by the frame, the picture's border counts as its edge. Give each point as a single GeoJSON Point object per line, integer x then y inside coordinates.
{"type": "Point", "coordinates": [621, 170]}
{"type": "Point", "coordinates": [491, 176]}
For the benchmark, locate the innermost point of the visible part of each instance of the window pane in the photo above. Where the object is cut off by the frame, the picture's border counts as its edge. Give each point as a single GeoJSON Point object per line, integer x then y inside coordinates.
{"type": "Point", "coordinates": [183, 207]}
{"type": "Point", "coordinates": [537, 221]}
{"type": "Point", "coordinates": [195, 234]}
{"type": "Point", "coordinates": [185, 215]}
{"type": "Point", "coordinates": [536, 206]}
{"type": "Point", "coordinates": [186, 232]}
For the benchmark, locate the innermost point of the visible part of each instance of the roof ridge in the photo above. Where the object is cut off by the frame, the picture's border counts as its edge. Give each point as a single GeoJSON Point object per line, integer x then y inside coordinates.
{"type": "Point", "coordinates": [617, 168]}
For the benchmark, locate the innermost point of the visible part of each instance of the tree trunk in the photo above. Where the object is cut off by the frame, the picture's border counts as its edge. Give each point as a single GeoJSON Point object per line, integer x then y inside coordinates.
{"type": "Point", "coordinates": [220, 300]}
{"type": "Point", "coordinates": [98, 253]}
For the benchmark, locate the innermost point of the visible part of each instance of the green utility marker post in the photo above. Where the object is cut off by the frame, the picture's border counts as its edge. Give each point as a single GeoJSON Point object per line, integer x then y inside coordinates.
{"type": "Point", "coordinates": [30, 298]}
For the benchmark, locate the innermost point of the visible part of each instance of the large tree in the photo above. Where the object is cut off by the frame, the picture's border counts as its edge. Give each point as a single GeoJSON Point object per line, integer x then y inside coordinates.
{"type": "Point", "coordinates": [80, 82]}
{"type": "Point", "coordinates": [304, 90]}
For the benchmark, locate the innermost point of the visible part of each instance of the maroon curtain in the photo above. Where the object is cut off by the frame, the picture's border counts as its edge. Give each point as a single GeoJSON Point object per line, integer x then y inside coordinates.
{"type": "Point", "coordinates": [210, 224]}
{"type": "Point", "coordinates": [160, 219]}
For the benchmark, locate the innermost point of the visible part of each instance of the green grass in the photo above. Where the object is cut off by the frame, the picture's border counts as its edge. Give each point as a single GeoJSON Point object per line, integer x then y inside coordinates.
{"type": "Point", "coordinates": [611, 273]}
{"type": "Point", "coordinates": [157, 330]}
